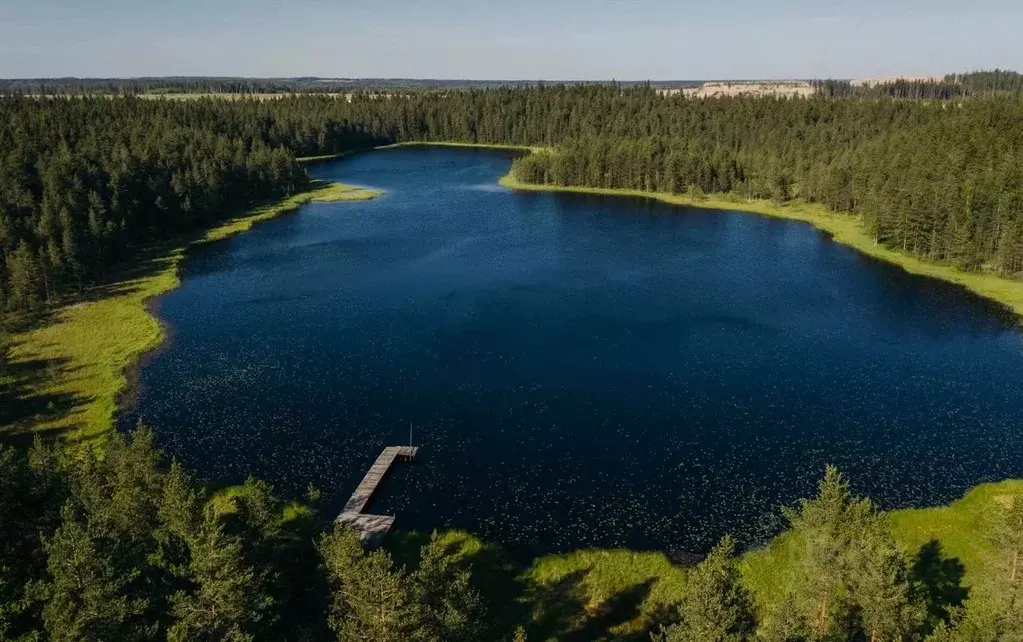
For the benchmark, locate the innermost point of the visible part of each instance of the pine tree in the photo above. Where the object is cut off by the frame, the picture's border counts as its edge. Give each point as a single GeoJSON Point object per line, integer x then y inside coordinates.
{"type": "Point", "coordinates": [88, 595]}
{"type": "Point", "coordinates": [5, 378]}
{"type": "Point", "coordinates": [226, 603]}
{"type": "Point", "coordinates": [179, 521]}
{"type": "Point", "coordinates": [715, 607]}
{"type": "Point", "coordinates": [995, 611]}
{"type": "Point", "coordinates": [786, 623]}
{"type": "Point", "coordinates": [979, 620]}
{"type": "Point", "coordinates": [452, 609]}
{"type": "Point", "coordinates": [25, 290]}
{"type": "Point", "coordinates": [1007, 537]}
{"type": "Point", "coordinates": [850, 575]}
{"type": "Point", "coordinates": [827, 527]}
{"type": "Point", "coordinates": [881, 589]}
{"type": "Point", "coordinates": [370, 599]}
{"type": "Point", "coordinates": [101, 580]}
{"type": "Point", "coordinates": [24, 496]}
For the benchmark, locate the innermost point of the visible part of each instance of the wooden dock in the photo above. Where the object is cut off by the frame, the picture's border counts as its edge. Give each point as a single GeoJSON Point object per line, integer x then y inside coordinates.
{"type": "Point", "coordinates": [372, 528]}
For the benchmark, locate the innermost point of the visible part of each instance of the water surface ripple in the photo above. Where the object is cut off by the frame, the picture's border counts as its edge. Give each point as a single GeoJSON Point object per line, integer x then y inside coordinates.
{"type": "Point", "coordinates": [580, 370]}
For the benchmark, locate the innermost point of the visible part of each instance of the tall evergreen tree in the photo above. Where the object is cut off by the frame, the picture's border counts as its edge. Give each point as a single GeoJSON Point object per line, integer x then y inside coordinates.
{"type": "Point", "coordinates": [89, 595]}
{"type": "Point", "coordinates": [715, 607]}
{"type": "Point", "coordinates": [1007, 537]}
{"type": "Point", "coordinates": [371, 600]}
{"type": "Point", "coordinates": [849, 576]}
{"type": "Point", "coordinates": [452, 609]}
{"type": "Point", "coordinates": [226, 602]}
{"type": "Point", "coordinates": [994, 613]}
{"type": "Point", "coordinates": [26, 495]}
{"type": "Point", "coordinates": [881, 589]}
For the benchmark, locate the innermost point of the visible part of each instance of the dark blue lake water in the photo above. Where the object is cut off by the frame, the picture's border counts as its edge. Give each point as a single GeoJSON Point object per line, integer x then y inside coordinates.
{"type": "Point", "coordinates": [580, 370]}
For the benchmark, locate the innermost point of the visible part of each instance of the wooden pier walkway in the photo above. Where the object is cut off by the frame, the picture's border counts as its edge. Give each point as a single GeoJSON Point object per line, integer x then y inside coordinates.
{"type": "Point", "coordinates": [372, 528]}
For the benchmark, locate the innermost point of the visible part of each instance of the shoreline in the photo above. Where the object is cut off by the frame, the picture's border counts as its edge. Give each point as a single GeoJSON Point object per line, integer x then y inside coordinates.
{"type": "Point", "coordinates": [312, 160]}
{"type": "Point", "coordinates": [845, 229]}
{"type": "Point", "coordinates": [601, 573]}
{"type": "Point", "coordinates": [81, 361]}
{"type": "Point", "coordinates": [426, 143]}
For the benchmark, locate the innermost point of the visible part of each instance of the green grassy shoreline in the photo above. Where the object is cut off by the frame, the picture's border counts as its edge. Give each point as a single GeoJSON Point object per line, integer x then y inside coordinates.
{"type": "Point", "coordinates": [615, 594]}
{"type": "Point", "coordinates": [72, 367]}
{"type": "Point", "coordinates": [843, 228]}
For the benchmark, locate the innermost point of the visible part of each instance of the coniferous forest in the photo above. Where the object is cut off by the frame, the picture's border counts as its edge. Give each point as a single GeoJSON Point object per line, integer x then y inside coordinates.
{"type": "Point", "coordinates": [85, 181]}
{"type": "Point", "coordinates": [115, 543]}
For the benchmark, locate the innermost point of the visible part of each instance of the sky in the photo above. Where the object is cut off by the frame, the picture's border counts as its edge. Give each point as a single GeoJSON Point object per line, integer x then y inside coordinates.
{"type": "Point", "coordinates": [510, 39]}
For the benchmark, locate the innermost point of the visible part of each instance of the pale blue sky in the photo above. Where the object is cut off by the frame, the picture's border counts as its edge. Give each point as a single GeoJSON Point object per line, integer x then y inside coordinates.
{"type": "Point", "coordinates": [511, 39]}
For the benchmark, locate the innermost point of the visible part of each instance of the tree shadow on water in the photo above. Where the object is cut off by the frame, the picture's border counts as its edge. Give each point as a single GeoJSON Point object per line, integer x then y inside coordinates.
{"type": "Point", "coordinates": [939, 579]}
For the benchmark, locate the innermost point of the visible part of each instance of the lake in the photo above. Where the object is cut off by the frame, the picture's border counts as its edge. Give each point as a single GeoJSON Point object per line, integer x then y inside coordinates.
{"type": "Point", "coordinates": [579, 370]}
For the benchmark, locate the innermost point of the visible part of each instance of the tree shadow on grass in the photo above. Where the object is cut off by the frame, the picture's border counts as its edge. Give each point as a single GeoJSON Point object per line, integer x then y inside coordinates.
{"type": "Point", "coordinates": [129, 279]}
{"type": "Point", "coordinates": [557, 606]}
{"type": "Point", "coordinates": [939, 579]}
{"type": "Point", "coordinates": [22, 408]}
{"type": "Point", "coordinates": [149, 258]}
{"type": "Point", "coordinates": [564, 610]}
{"type": "Point", "coordinates": [493, 573]}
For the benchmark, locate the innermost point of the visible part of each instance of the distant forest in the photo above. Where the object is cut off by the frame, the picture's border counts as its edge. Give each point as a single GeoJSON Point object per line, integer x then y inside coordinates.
{"type": "Point", "coordinates": [952, 86]}
{"type": "Point", "coordinates": [84, 182]}
{"type": "Point", "coordinates": [228, 85]}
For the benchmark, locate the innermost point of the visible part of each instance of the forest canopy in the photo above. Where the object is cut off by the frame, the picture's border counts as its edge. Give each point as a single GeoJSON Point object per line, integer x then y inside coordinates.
{"type": "Point", "coordinates": [84, 182]}
{"type": "Point", "coordinates": [121, 545]}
